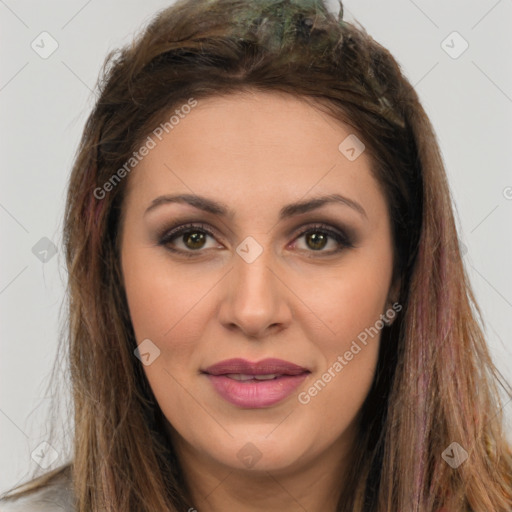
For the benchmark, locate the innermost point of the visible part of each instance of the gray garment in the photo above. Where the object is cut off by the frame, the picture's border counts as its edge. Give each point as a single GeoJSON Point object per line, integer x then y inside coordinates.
{"type": "Point", "coordinates": [57, 496]}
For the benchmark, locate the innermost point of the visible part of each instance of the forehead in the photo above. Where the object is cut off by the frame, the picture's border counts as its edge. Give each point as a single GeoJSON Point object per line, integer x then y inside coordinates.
{"type": "Point", "coordinates": [257, 142]}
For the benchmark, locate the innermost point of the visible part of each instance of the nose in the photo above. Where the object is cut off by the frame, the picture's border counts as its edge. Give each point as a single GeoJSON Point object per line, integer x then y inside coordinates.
{"type": "Point", "coordinates": [255, 299]}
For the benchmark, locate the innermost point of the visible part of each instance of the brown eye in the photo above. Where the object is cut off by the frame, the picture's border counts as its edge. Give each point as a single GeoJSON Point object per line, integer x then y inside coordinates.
{"type": "Point", "coordinates": [191, 239]}
{"type": "Point", "coordinates": [194, 239]}
{"type": "Point", "coordinates": [316, 240]}
{"type": "Point", "coordinates": [186, 239]}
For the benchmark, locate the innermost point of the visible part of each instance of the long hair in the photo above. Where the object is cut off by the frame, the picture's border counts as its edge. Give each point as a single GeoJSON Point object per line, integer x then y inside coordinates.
{"type": "Point", "coordinates": [435, 383]}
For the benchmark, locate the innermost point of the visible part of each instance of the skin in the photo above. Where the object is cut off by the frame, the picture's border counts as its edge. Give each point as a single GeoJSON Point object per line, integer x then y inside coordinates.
{"type": "Point", "coordinates": [256, 152]}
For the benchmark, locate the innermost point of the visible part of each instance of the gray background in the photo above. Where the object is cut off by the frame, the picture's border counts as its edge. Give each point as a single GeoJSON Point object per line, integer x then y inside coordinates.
{"type": "Point", "coordinates": [44, 103]}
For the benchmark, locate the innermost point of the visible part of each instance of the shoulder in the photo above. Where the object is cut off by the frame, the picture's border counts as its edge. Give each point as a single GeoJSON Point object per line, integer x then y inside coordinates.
{"type": "Point", "coordinates": [53, 493]}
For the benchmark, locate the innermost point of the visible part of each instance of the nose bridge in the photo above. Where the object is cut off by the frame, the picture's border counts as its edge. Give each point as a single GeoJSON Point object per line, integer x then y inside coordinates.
{"type": "Point", "coordinates": [254, 300]}
{"type": "Point", "coordinates": [254, 281]}
{"type": "Point", "coordinates": [254, 275]}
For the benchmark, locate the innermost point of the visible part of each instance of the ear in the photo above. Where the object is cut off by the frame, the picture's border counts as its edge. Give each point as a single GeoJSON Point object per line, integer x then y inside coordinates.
{"type": "Point", "coordinates": [393, 296]}
{"type": "Point", "coordinates": [394, 291]}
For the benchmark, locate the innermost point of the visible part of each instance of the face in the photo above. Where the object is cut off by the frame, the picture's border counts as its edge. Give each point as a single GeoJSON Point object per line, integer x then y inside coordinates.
{"type": "Point", "coordinates": [250, 267]}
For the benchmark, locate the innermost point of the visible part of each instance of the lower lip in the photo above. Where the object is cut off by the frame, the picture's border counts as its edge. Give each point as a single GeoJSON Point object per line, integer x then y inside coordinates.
{"type": "Point", "coordinates": [256, 394]}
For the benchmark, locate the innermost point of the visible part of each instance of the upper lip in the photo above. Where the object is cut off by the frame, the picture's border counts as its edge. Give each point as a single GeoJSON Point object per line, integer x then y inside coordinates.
{"type": "Point", "coordinates": [263, 367]}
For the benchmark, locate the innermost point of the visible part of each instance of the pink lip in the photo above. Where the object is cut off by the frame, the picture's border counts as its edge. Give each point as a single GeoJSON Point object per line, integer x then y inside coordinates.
{"type": "Point", "coordinates": [252, 393]}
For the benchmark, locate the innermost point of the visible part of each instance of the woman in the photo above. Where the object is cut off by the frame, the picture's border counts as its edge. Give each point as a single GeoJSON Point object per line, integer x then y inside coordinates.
{"type": "Point", "coordinates": [268, 306]}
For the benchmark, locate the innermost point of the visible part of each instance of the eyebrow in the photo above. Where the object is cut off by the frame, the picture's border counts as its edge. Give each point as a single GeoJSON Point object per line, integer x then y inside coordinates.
{"type": "Point", "coordinates": [222, 210]}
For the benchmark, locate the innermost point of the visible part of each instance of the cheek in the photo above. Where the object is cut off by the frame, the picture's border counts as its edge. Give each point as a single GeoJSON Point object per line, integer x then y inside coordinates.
{"type": "Point", "coordinates": [164, 300]}
{"type": "Point", "coordinates": [349, 353]}
{"type": "Point", "coordinates": [348, 305]}
{"type": "Point", "coordinates": [165, 307]}
{"type": "Point", "coordinates": [347, 300]}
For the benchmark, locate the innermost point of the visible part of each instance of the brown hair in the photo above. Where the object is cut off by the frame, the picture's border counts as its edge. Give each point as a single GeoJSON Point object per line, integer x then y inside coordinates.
{"type": "Point", "coordinates": [435, 382]}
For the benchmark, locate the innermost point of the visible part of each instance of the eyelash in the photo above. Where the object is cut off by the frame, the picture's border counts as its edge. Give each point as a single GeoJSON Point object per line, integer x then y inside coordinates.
{"type": "Point", "coordinates": [342, 239]}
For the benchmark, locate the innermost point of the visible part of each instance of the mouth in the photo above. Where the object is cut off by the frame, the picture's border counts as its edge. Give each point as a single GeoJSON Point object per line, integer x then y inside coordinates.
{"type": "Point", "coordinates": [266, 369]}
{"type": "Point", "coordinates": [255, 385]}
{"type": "Point", "coordinates": [243, 377]}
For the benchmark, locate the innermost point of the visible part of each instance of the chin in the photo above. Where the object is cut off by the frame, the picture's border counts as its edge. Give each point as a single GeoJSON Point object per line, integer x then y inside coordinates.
{"type": "Point", "coordinates": [262, 450]}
